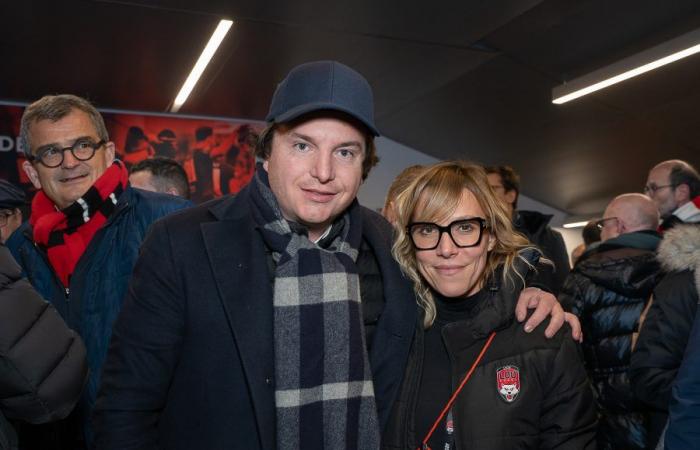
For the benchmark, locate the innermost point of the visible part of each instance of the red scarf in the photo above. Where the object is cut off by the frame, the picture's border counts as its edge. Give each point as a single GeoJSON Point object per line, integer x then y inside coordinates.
{"type": "Point", "coordinates": [65, 234]}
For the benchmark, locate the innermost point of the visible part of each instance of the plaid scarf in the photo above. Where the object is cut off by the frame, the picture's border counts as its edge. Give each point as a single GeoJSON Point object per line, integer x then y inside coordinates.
{"type": "Point", "coordinates": [323, 383]}
{"type": "Point", "coordinates": [65, 234]}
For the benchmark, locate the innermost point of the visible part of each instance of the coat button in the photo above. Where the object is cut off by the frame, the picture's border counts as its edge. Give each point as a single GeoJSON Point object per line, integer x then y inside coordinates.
{"type": "Point", "coordinates": [268, 381]}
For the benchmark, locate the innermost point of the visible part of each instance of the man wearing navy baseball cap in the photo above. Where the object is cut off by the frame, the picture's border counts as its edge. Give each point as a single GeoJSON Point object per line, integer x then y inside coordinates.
{"type": "Point", "coordinates": [276, 318]}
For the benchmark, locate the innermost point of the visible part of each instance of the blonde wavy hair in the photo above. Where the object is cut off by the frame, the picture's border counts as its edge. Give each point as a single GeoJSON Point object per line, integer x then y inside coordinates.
{"type": "Point", "coordinates": [433, 196]}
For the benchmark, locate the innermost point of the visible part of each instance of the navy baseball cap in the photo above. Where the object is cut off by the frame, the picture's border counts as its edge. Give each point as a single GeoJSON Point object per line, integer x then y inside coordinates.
{"type": "Point", "coordinates": [323, 85]}
{"type": "Point", "coordinates": [11, 196]}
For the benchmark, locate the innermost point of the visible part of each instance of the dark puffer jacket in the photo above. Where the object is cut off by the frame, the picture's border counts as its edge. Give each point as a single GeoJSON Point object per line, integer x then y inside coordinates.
{"type": "Point", "coordinates": [42, 363]}
{"type": "Point", "coordinates": [553, 409]}
{"type": "Point", "coordinates": [608, 290]}
{"type": "Point", "coordinates": [664, 334]}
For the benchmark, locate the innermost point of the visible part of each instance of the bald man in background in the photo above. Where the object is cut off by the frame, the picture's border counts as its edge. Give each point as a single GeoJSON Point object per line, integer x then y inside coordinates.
{"type": "Point", "coordinates": [608, 290]}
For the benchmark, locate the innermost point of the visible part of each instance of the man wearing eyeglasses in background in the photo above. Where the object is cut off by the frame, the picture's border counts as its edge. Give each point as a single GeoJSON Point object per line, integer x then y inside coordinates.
{"type": "Point", "coordinates": [81, 243]}
{"type": "Point", "coordinates": [674, 185]}
{"type": "Point", "coordinates": [608, 290]}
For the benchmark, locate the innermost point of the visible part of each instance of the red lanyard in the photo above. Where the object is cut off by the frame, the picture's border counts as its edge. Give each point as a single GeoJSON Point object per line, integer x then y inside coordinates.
{"type": "Point", "coordinates": [449, 404]}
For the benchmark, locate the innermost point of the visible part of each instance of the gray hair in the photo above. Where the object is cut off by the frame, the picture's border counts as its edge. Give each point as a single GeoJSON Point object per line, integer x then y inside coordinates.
{"type": "Point", "coordinates": [55, 108]}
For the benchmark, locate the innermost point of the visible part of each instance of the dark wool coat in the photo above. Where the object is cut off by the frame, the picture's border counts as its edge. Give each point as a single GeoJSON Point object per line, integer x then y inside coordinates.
{"type": "Point", "coordinates": [191, 361]}
{"type": "Point", "coordinates": [664, 334]}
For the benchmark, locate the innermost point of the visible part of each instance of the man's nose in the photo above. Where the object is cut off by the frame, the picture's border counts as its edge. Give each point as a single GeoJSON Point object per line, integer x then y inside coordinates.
{"type": "Point", "coordinates": [323, 169]}
{"type": "Point", "coordinates": [69, 161]}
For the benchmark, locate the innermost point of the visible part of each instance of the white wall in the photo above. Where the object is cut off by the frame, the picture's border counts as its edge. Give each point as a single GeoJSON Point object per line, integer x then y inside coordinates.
{"type": "Point", "coordinates": [395, 157]}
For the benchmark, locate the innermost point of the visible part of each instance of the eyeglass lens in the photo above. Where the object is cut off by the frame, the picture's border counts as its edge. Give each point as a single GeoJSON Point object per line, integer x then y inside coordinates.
{"type": "Point", "coordinates": [464, 233]}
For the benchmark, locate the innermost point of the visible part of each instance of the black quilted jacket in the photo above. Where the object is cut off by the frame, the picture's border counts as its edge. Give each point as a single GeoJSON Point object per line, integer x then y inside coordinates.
{"type": "Point", "coordinates": [608, 289]}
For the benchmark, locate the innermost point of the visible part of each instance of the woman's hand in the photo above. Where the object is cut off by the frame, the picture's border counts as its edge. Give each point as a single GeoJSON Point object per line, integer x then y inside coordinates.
{"type": "Point", "coordinates": [545, 304]}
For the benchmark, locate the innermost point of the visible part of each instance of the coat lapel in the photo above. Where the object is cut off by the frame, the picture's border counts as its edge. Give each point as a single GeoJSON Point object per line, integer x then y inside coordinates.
{"type": "Point", "coordinates": [397, 324]}
{"type": "Point", "coordinates": [238, 260]}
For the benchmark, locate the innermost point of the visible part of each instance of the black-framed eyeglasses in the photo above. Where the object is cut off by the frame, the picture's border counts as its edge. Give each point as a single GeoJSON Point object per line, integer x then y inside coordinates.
{"type": "Point", "coordinates": [600, 224]}
{"type": "Point", "coordinates": [52, 156]}
{"type": "Point", "coordinates": [464, 233]}
{"type": "Point", "coordinates": [650, 189]}
{"type": "Point", "coordinates": [4, 215]}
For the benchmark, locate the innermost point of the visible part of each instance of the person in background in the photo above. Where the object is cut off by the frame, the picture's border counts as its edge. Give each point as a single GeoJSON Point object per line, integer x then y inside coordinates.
{"type": "Point", "coordinates": [221, 172]}
{"type": "Point", "coordinates": [456, 242]}
{"type": "Point", "coordinates": [674, 185]}
{"type": "Point", "coordinates": [534, 225]}
{"type": "Point", "coordinates": [165, 145]}
{"type": "Point", "coordinates": [608, 289]}
{"type": "Point", "coordinates": [590, 235]}
{"type": "Point", "coordinates": [275, 318]}
{"type": "Point", "coordinates": [137, 147]}
{"type": "Point", "coordinates": [663, 337]}
{"type": "Point", "coordinates": [684, 409]}
{"type": "Point", "coordinates": [12, 202]}
{"type": "Point", "coordinates": [402, 180]}
{"type": "Point", "coordinates": [202, 186]}
{"type": "Point", "coordinates": [160, 174]}
{"type": "Point", "coordinates": [86, 227]}
{"type": "Point", "coordinates": [42, 362]}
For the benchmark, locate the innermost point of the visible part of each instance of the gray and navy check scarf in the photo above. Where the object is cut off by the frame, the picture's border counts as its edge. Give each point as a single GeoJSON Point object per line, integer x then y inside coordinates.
{"type": "Point", "coordinates": [323, 383]}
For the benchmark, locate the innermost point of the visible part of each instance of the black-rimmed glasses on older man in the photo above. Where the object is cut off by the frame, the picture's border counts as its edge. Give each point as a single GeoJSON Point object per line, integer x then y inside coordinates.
{"type": "Point", "coordinates": [51, 156]}
{"type": "Point", "coordinates": [464, 233]}
{"type": "Point", "coordinates": [650, 189]}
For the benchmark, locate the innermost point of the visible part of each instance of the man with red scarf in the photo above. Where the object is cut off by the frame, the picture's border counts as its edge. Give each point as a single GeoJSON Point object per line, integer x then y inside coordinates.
{"type": "Point", "coordinates": [79, 247]}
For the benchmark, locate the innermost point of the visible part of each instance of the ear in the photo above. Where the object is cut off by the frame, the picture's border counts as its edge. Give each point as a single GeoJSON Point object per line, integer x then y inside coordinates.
{"type": "Point", "coordinates": [173, 191]}
{"type": "Point", "coordinates": [109, 152]}
{"type": "Point", "coordinates": [32, 174]}
{"type": "Point", "coordinates": [681, 194]}
{"type": "Point", "coordinates": [621, 227]}
{"type": "Point", "coordinates": [265, 164]}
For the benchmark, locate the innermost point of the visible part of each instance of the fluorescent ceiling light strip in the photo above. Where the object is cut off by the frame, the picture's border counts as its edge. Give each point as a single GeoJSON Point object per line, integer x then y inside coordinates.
{"type": "Point", "coordinates": [627, 75]}
{"type": "Point", "coordinates": [653, 58]}
{"type": "Point", "coordinates": [202, 62]}
{"type": "Point", "coordinates": [576, 224]}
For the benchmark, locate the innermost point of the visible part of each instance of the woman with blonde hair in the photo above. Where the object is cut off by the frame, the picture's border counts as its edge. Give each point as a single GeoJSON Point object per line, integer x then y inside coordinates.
{"type": "Point", "coordinates": [476, 379]}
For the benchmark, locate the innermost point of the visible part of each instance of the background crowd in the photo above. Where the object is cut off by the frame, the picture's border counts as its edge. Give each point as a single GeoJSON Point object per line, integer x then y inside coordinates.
{"type": "Point", "coordinates": [109, 337]}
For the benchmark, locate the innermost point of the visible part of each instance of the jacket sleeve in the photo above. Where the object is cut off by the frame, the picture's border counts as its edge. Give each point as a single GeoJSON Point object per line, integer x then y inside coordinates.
{"type": "Point", "coordinates": [552, 246]}
{"type": "Point", "coordinates": [572, 294]}
{"type": "Point", "coordinates": [662, 340]}
{"type": "Point", "coordinates": [42, 362]}
{"type": "Point", "coordinates": [684, 410]}
{"type": "Point", "coordinates": [143, 352]}
{"type": "Point", "coordinates": [568, 419]}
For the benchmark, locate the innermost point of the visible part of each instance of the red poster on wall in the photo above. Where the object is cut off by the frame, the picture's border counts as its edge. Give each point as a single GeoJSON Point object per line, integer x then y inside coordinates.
{"type": "Point", "coordinates": [217, 155]}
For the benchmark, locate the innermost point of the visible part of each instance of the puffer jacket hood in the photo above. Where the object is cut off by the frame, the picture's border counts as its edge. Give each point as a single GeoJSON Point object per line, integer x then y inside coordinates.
{"type": "Point", "coordinates": [623, 265]}
{"type": "Point", "coordinates": [680, 250]}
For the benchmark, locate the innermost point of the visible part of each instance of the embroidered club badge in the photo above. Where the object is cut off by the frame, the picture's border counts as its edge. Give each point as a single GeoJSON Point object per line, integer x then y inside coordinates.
{"type": "Point", "coordinates": [508, 383]}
